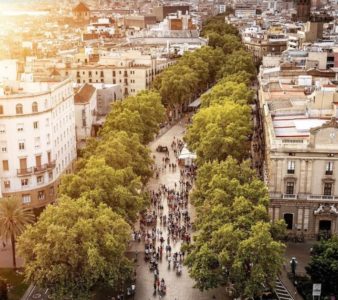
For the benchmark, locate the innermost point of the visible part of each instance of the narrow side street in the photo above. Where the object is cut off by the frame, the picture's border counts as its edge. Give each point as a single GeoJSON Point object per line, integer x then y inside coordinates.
{"type": "Point", "coordinates": [178, 287]}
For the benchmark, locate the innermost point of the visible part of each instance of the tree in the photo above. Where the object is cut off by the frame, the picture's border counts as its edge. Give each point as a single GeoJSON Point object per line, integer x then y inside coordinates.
{"type": "Point", "coordinates": [176, 85]}
{"type": "Point", "coordinates": [148, 105]}
{"type": "Point", "coordinates": [119, 189]}
{"type": "Point", "coordinates": [323, 267]}
{"type": "Point", "coordinates": [13, 220]}
{"type": "Point", "coordinates": [219, 131]}
{"type": "Point", "coordinates": [236, 62]}
{"type": "Point", "coordinates": [225, 91]}
{"type": "Point", "coordinates": [75, 246]}
{"type": "Point", "coordinates": [121, 150]}
{"type": "Point", "coordinates": [123, 119]}
{"type": "Point", "coordinates": [231, 43]}
{"type": "Point", "coordinates": [257, 262]}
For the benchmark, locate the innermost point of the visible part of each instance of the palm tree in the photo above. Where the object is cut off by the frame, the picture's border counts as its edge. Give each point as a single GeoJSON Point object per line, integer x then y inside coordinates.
{"type": "Point", "coordinates": [13, 220]}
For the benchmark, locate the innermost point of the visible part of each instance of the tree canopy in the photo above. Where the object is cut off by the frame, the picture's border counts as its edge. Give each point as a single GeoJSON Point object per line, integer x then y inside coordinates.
{"type": "Point", "coordinates": [235, 243]}
{"type": "Point", "coordinates": [323, 267]}
{"type": "Point", "coordinates": [140, 114]}
{"type": "Point", "coordinates": [75, 246]}
{"type": "Point", "coordinates": [219, 131]}
{"type": "Point", "coordinates": [120, 189]}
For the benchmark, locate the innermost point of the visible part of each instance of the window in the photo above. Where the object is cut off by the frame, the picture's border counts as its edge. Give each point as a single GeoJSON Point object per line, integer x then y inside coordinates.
{"type": "Point", "coordinates": [5, 166]}
{"type": "Point", "coordinates": [36, 125]}
{"type": "Point", "coordinates": [41, 195]}
{"type": "Point", "coordinates": [1, 110]}
{"type": "Point", "coordinates": [34, 107]}
{"type": "Point", "coordinates": [19, 127]}
{"type": "Point", "coordinates": [291, 167]}
{"type": "Point", "coordinates": [327, 188]}
{"type": "Point", "coordinates": [102, 74]}
{"type": "Point", "coordinates": [2, 129]}
{"type": "Point", "coordinates": [21, 145]}
{"type": "Point", "coordinates": [26, 199]}
{"type": "Point", "coordinates": [24, 182]}
{"type": "Point", "coordinates": [290, 185]}
{"type": "Point", "coordinates": [39, 179]}
{"type": "Point", "coordinates": [7, 184]}
{"type": "Point", "coordinates": [50, 175]}
{"type": "Point", "coordinates": [114, 73]}
{"type": "Point", "coordinates": [329, 168]}
{"type": "Point", "coordinates": [19, 109]}
{"type": "Point", "coordinates": [37, 142]}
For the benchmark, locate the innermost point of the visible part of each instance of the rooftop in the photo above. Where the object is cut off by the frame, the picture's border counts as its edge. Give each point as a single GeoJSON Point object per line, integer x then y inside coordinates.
{"type": "Point", "coordinates": [84, 94]}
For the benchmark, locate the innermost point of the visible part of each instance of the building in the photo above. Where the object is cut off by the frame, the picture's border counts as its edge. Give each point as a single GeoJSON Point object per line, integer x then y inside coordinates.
{"type": "Point", "coordinates": [81, 12]}
{"type": "Point", "coordinates": [301, 153]}
{"type": "Point", "coordinates": [161, 12]}
{"type": "Point", "coordinates": [85, 111]}
{"type": "Point", "coordinates": [37, 138]}
{"type": "Point", "coordinates": [132, 70]}
{"type": "Point", "coordinates": [137, 21]}
{"type": "Point", "coordinates": [106, 95]}
{"type": "Point", "coordinates": [303, 8]}
{"type": "Point", "coordinates": [261, 45]}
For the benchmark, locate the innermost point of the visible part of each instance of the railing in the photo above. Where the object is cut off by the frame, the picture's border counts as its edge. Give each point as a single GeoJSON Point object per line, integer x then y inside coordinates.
{"type": "Point", "coordinates": [290, 196]}
{"type": "Point", "coordinates": [51, 164]}
{"type": "Point", "coordinates": [320, 197]}
{"type": "Point", "coordinates": [40, 169]}
{"type": "Point", "coordinates": [24, 172]}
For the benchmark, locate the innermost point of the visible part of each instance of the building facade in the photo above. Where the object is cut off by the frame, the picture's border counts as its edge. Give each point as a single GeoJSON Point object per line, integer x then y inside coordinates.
{"type": "Point", "coordinates": [301, 155]}
{"type": "Point", "coordinates": [37, 138]}
{"type": "Point", "coordinates": [132, 70]}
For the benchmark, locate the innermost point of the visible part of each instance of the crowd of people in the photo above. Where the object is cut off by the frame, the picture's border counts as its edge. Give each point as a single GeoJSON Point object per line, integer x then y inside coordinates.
{"type": "Point", "coordinates": [167, 222]}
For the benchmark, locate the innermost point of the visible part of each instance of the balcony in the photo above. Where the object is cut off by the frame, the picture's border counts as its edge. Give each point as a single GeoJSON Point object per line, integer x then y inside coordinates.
{"type": "Point", "coordinates": [24, 172]}
{"type": "Point", "coordinates": [290, 196]}
{"type": "Point", "coordinates": [40, 169]}
{"type": "Point", "coordinates": [320, 197]}
{"type": "Point", "coordinates": [51, 164]}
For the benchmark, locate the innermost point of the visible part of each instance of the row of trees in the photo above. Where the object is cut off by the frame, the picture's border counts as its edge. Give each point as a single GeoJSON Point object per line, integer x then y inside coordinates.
{"type": "Point", "coordinates": [235, 244]}
{"type": "Point", "coordinates": [80, 242]}
{"type": "Point", "coordinates": [196, 71]}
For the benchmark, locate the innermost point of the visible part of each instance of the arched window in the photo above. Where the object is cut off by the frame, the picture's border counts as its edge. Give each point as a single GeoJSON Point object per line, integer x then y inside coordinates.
{"type": "Point", "coordinates": [19, 109]}
{"type": "Point", "coordinates": [34, 107]}
{"type": "Point", "coordinates": [1, 110]}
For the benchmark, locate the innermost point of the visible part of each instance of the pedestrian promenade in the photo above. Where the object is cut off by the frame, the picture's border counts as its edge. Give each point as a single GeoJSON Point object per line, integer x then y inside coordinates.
{"type": "Point", "coordinates": [177, 287]}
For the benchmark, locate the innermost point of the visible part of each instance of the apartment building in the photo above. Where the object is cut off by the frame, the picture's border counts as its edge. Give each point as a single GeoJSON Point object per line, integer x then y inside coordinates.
{"type": "Point", "coordinates": [37, 138]}
{"type": "Point", "coordinates": [132, 70]}
{"type": "Point", "coordinates": [301, 155]}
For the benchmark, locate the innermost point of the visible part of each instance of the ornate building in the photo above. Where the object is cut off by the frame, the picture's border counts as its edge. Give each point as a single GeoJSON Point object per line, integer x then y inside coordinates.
{"type": "Point", "coordinates": [301, 158]}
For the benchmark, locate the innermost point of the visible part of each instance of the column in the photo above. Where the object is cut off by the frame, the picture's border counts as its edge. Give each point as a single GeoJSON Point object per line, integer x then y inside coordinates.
{"type": "Point", "coordinates": [309, 177]}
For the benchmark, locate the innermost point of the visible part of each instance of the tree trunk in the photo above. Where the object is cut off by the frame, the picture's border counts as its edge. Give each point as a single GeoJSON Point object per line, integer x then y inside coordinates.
{"type": "Point", "coordinates": [13, 250]}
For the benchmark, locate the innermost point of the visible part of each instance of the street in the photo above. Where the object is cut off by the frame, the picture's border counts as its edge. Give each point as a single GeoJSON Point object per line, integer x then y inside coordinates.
{"type": "Point", "coordinates": [178, 287]}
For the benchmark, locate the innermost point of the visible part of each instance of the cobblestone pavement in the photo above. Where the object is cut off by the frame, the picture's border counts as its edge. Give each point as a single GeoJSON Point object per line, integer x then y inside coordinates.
{"type": "Point", "coordinates": [178, 287]}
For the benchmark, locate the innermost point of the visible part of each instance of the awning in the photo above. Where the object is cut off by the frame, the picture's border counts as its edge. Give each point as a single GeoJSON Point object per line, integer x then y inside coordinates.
{"type": "Point", "coordinates": [196, 103]}
{"type": "Point", "coordinates": [186, 154]}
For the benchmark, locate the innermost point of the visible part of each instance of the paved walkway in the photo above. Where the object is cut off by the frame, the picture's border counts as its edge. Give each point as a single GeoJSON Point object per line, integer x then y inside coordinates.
{"type": "Point", "coordinates": [178, 287]}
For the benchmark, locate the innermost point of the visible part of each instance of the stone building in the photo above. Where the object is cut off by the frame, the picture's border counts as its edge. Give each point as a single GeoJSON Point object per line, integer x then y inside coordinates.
{"type": "Point", "coordinates": [301, 158]}
{"type": "Point", "coordinates": [37, 138]}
